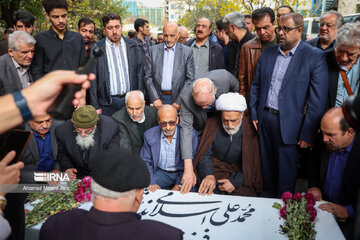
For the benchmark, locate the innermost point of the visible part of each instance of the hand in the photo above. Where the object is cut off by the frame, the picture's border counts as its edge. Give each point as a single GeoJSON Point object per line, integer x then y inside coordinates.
{"type": "Point", "coordinates": [226, 185]}
{"type": "Point", "coordinates": [177, 106]}
{"type": "Point", "coordinates": [207, 186]}
{"type": "Point", "coordinates": [157, 103]}
{"type": "Point", "coordinates": [316, 192]}
{"type": "Point", "coordinates": [41, 94]}
{"type": "Point", "coordinates": [189, 178]}
{"type": "Point", "coordinates": [99, 111]}
{"type": "Point", "coordinates": [10, 174]}
{"type": "Point", "coordinates": [338, 210]}
{"type": "Point", "coordinates": [82, 101]}
{"type": "Point", "coordinates": [72, 173]}
{"type": "Point", "coordinates": [153, 188]}
{"type": "Point", "coordinates": [303, 144]}
{"type": "Point", "coordinates": [255, 122]}
{"type": "Point", "coordinates": [176, 187]}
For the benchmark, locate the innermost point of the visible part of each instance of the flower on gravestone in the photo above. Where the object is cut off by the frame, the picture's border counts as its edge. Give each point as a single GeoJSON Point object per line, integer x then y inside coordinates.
{"type": "Point", "coordinates": [54, 202]}
{"type": "Point", "coordinates": [299, 214]}
{"type": "Point", "coordinates": [286, 196]}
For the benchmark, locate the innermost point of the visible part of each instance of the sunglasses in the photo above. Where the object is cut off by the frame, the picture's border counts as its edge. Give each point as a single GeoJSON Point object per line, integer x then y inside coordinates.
{"type": "Point", "coordinates": [164, 124]}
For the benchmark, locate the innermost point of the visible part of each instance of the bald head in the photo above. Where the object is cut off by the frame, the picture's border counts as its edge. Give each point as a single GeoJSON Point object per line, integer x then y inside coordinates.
{"type": "Point", "coordinates": [183, 34]}
{"type": "Point", "coordinates": [168, 119]}
{"type": "Point", "coordinates": [337, 132]}
{"type": "Point", "coordinates": [203, 92]}
{"type": "Point", "coordinates": [171, 34]}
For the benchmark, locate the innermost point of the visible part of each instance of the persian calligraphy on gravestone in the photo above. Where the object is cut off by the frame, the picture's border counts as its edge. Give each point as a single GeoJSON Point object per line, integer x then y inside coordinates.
{"type": "Point", "coordinates": [200, 217]}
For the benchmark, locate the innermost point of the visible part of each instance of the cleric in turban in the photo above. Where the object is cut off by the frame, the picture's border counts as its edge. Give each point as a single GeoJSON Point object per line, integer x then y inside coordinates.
{"type": "Point", "coordinates": [227, 160]}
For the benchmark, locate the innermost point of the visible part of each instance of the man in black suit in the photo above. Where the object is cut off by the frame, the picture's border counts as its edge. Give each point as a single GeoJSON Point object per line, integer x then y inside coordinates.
{"type": "Point", "coordinates": [334, 175]}
{"type": "Point", "coordinates": [82, 138]}
{"type": "Point", "coordinates": [119, 69]}
{"type": "Point", "coordinates": [169, 69]}
{"type": "Point", "coordinates": [118, 181]}
{"type": "Point", "coordinates": [15, 65]}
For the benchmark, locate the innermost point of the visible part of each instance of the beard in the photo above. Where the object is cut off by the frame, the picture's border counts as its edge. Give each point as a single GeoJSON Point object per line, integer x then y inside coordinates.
{"type": "Point", "coordinates": [232, 131]}
{"type": "Point", "coordinates": [333, 147]}
{"type": "Point", "coordinates": [87, 141]}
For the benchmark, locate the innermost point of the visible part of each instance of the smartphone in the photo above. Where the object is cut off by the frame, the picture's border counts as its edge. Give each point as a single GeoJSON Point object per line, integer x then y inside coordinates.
{"type": "Point", "coordinates": [16, 140]}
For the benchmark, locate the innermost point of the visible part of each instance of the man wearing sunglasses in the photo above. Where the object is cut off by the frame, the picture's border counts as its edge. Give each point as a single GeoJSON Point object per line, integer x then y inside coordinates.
{"type": "Point", "coordinates": [161, 151]}
{"type": "Point", "coordinates": [287, 101]}
{"type": "Point", "coordinates": [83, 137]}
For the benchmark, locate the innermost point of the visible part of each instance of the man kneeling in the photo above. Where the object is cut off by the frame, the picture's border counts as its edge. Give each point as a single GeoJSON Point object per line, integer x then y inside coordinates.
{"type": "Point", "coordinates": [161, 150]}
{"type": "Point", "coordinates": [227, 160]}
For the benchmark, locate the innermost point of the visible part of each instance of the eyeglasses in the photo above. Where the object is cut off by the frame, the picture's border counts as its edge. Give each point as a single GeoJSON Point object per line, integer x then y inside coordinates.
{"type": "Point", "coordinates": [164, 124]}
{"type": "Point", "coordinates": [284, 29]}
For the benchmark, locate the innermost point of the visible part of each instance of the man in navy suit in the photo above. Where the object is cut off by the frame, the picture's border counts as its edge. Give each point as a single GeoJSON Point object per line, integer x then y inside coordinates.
{"type": "Point", "coordinates": [161, 150]}
{"type": "Point", "coordinates": [287, 100]}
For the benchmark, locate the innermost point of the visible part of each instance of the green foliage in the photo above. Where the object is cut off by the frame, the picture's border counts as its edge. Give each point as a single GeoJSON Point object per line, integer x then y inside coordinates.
{"type": "Point", "coordinates": [216, 9]}
{"type": "Point", "coordinates": [93, 9]}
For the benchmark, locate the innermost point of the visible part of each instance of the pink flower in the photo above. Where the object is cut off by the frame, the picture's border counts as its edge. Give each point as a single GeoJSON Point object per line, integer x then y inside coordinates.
{"type": "Point", "coordinates": [286, 196]}
{"type": "Point", "coordinates": [310, 199]}
{"type": "Point", "coordinates": [88, 197]}
{"type": "Point", "coordinates": [297, 196]}
{"type": "Point", "coordinates": [283, 212]}
{"type": "Point", "coordinates": [312, 211]}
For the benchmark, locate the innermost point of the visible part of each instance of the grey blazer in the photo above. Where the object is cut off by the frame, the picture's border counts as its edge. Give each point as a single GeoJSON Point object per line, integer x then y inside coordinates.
{"type": "Point", "coordinates": [183, 71]}
{"type": "Point", "coordinates": [9, 77]}
{"type": "Point", "coordinates": [193, 116]}
{"type": "Point", "coordinates": [31, 157]}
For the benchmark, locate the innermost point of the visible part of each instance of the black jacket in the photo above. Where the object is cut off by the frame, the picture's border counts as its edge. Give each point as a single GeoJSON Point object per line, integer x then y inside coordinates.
{"type": "Point", "coordinates": [100, 87]}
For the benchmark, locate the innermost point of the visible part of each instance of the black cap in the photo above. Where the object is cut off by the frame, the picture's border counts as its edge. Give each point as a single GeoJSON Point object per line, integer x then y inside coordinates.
{"type": "Point", "coordinates": [119, 170]}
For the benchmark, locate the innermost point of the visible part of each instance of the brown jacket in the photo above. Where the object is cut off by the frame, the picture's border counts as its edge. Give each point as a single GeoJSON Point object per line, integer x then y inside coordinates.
{"type": "Point", "coordinates": [251, 166]}
{"type": "Point", "coordinates": [249, 56]}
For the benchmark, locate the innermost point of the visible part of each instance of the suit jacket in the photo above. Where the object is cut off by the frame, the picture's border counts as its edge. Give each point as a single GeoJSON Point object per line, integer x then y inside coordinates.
{"type": "Point", "coordinates": [128, 131]}
{"type": "Point", "coordinates": [3, 47]}
{"type": "Point", "coordinates": [193, 116]}
{"type": "Point", "coordinates": [351, 177]}
{"type": "Point", "coordinates": [216, 56]}
{"type": "Point", "coordinates": [302, 97]}
{"type": "Point", "coordinates": [96, 224]}
{"type": "Point", "coordinates": [9, 78]}
{"type": "Point", "coordinates": [150, 152]}
{"type": "Point", "coordinates": [31, 156]}
{"type": "Point", "coordinates": [100, 87]}
{"type": "Point", "coordinates": [70, 154]}
{"type": "Point", "coordinates": [183, 71]}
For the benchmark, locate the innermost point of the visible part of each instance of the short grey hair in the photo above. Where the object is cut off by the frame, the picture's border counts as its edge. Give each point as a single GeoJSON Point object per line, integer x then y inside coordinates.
{"type": "Point", "coordinates": [339, 18]}
{"type": "Point", "coordinates": [18, 37]}
{"type": "Point", "coordinates": [99, 190]}
{"type": "Point", "coordinates": [137, 92]}
{"type": "Point", "coordinates": [212, 87]}
{"type": "Point", "coordinates": [349, 35]}
{"type": "Point", "coordinates": [235, 18]}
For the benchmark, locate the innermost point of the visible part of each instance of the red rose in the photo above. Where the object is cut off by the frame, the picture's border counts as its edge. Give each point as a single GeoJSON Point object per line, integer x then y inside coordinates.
{"type": "Point", "coordinates": [310, 199]}
{"type": "Point", "coordinates": [283, 212]}
{"type": "Point", "coordinates": [297, 196]}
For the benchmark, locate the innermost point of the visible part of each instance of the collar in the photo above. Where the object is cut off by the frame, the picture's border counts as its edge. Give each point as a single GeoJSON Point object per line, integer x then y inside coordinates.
{"type": "Point", "coordinates": [171, 49]}
{"type": "Point", "coordinates": [349, 148]}
{"type": "Point", "coordinates": [38, 135]}
{"type": "Point", "coordinates": [17, 65]}
{"type": "Point", "coordinates": [110, 43]}
{"type": "Point", "coordinates": [206, 44]}
{"type": "Point", "coordinates": [52, 31]}
{"type": "Point", "coordinates": [292, 51]}
{"type": "Point", "coordinates": [212, 106]}
{"type": "Point", "coordinates": [174, 136]}
{"type": "Point", "coordinates": [111, 218]}
{"type": "Point", "coordinates": [332, 45]}
{"type": "Point", "coordinates": [357, 63]}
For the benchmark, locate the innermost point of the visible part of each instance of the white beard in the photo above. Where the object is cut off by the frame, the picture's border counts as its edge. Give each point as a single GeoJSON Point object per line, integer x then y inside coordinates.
{"type": "Point", "coordinates": [86, 142]}
{"type": "Point", "coordinates": [233, 130]}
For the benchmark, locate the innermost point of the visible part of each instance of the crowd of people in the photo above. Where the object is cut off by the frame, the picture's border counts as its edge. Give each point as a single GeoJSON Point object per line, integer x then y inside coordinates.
{"type": "Point", "coordinates": [231, 111]}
